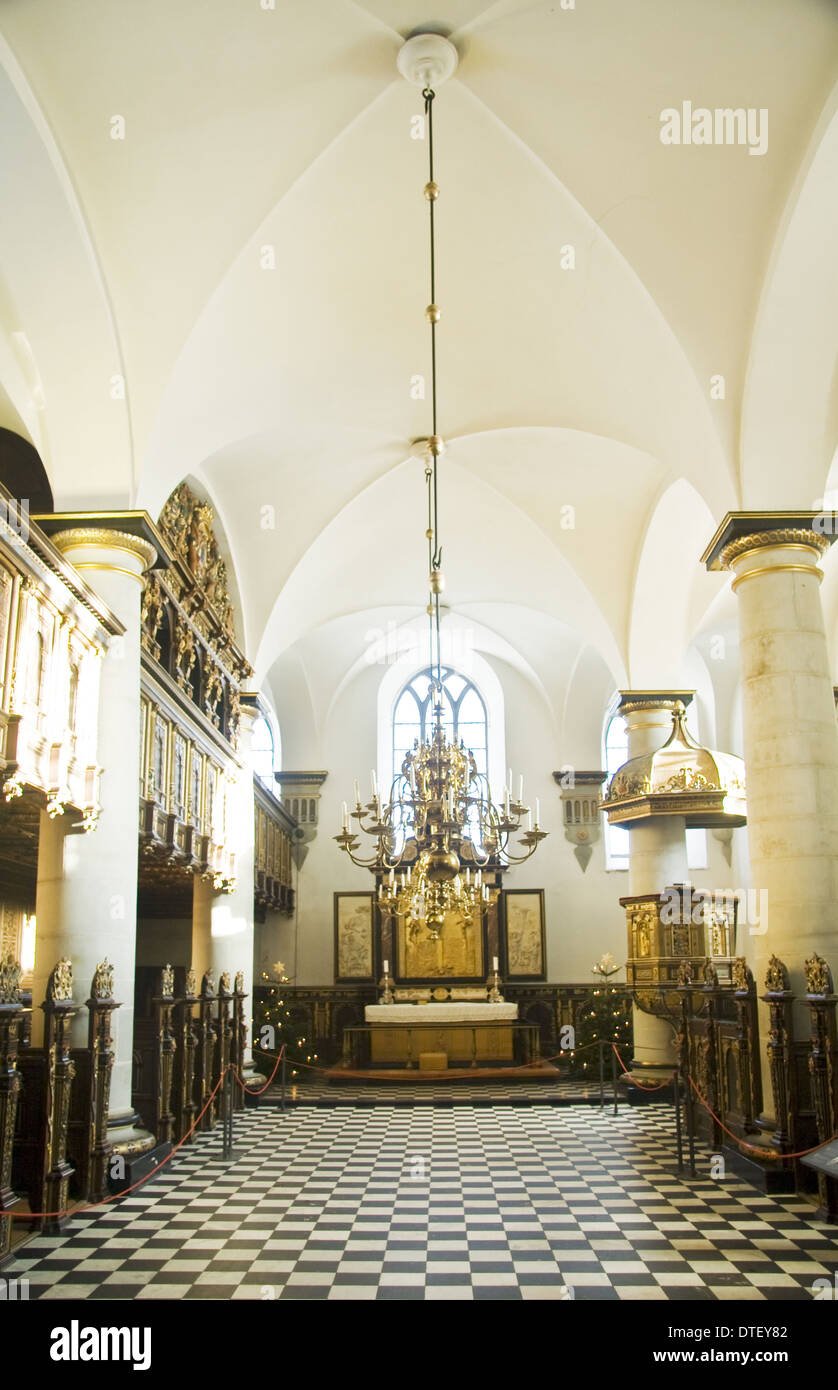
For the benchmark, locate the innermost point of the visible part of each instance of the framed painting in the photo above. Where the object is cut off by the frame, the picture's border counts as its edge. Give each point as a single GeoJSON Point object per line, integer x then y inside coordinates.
{"type": "Point", "coordinates": [525, 955]}
{"type": "Point", "coordinates": [354, 937]}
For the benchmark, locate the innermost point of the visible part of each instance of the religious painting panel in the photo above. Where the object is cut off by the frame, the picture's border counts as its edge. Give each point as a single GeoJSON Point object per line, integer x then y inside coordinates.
{"type": "Point", "coordinates": [354, 927]}
{"type": "Point", "coordinates": [523, 934]}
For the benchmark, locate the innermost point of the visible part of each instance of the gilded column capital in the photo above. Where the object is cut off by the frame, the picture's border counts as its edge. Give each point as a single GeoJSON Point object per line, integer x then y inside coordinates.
{"type": "Point", "coordinates": [744, 533]}
{"type": "Point", "coordinates": [652, 701]}
{"type": "Point", "coordinates": [110, 549]}
{"type": "Point", "coordinates": [784, 538]}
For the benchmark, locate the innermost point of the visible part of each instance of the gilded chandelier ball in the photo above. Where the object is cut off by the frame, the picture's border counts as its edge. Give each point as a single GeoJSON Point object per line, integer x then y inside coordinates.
{"type": "Point", "coordinates": [436, 445]}
{"type": "Point", "coordinates": [433, 313]}
{"type": "Point", "coordinates": [432, 191]}
{"type": "Point", "coordinates": [443, 865]}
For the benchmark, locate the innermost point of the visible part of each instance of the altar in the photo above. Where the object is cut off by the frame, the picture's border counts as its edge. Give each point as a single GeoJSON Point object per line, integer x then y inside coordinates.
{"type": "Point", "coordinates": [459, 1032]}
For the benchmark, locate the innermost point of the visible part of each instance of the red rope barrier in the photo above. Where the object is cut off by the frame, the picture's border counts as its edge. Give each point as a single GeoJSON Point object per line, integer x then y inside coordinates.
{"type": "Point", "coordinates": [115, 1196]}
{"type": "Point", "coordinates": [247, 1089]}
{"type": "Point", "coordinates": [757, 1148]}
{"type": "Point", "coordinates": [641, 1085]}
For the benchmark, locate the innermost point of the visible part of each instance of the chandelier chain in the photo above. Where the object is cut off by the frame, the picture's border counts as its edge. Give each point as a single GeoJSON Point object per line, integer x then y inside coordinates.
{"type": "Point", "coordinates": [440, 828]}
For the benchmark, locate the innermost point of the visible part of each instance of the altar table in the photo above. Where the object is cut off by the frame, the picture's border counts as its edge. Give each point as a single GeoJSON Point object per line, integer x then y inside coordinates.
{"type": "Point", "coordinates": [470, 1033]}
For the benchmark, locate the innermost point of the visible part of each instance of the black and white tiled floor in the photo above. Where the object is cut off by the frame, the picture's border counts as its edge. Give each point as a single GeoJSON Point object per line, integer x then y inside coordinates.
{"type": "Point", "coordinates": [438, 1203]}
{"type": "Point", "coordinates": [314, 1090]}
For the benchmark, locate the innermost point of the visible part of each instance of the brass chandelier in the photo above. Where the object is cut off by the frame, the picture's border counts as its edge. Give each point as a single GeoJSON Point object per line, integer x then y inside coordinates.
{"type": "Point", "coordinates": [439, 831]}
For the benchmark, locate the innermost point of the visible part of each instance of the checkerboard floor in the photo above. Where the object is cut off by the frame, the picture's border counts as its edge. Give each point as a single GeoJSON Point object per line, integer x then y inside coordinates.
{"type": "Point", "coordinates": [478, 1203]}
{"type": "Point", "coordinates": [312, 1089]}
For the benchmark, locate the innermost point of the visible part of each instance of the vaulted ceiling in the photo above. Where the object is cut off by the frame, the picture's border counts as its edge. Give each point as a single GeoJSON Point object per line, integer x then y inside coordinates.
{"type": "Point", "coordinates": [234, 292]}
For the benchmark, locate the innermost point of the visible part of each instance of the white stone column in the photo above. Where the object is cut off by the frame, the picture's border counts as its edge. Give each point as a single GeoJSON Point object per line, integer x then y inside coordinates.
{"type": "Point", "coordinates": [790, 744]}
{"type": "Point", "coordinates": [203, 894]}
{"type": "Point", "coordinates": [231, 940]}
{"type": "Point", "coordinates": [96, 902]}
{"type": "Point", "coordinates": [50, 937]}
{"type": "Point", "coordinates": [657, 854]}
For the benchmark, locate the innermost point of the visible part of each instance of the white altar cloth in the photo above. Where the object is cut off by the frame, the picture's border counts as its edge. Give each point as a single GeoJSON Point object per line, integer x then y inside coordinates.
{"type": "Point", "coordinates": [440, 1014]}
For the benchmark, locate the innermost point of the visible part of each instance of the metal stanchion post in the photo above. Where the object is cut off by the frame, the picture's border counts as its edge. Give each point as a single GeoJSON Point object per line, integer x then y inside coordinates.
{"type": "Point", "coordinates": [614, 1076]}
{"type": "Point", "coordinates": [676, 1091]}
{"type": "Point", "coordinates": [282, 1084]}
{"type": "Point", "coordinates": [601, 1074]}
{"type": "Point", "coordinates": [688, 1094]}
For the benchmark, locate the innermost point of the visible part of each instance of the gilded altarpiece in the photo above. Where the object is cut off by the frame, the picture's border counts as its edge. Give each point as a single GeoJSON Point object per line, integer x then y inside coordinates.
{"type": "Point", "coordinates": [458, 953]}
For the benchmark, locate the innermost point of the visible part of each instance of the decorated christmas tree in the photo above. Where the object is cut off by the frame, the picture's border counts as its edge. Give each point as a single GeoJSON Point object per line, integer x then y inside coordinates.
{"type": "Point", "coordinates": [604, 1015]}
{"type": "Point", "coordinates": [276, 1022]}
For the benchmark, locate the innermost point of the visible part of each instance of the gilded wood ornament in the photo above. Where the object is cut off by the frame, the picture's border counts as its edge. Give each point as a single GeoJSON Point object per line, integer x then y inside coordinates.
{"type": "Point", "coordinates": [818, 975]}
{"type": "Point", "coordinates": [776, 976]}
{"type": "Point", "coordinates": [102, 985]}
{"type": "Point", "coordinates": [709, 974]}
{"type": "Point", "coordinates": [685, 973]}
{"type": "Point", "coordinates": [10, 973]}
{"type": "Point", "coordinates": [60, 983]}
{"type": "Point", "coordinates": [743, 979]}
{"type": "Point", "coordinates": [167, 981]}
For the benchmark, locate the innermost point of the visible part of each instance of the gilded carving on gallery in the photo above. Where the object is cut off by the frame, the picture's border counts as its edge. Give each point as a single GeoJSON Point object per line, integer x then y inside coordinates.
{"type": "Point", "coordinates": [167, 981]}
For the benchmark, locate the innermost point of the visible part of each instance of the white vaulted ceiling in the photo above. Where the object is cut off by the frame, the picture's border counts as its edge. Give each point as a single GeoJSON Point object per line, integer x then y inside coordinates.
{"type": "Point", "coordinates": [288, 388]}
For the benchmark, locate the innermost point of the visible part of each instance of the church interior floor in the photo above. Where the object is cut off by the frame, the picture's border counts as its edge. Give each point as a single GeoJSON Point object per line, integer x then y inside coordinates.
{"type": "Point", "coordinates": [313, 1089]}
{"type": "Point", "coordinates": [429, 1202]}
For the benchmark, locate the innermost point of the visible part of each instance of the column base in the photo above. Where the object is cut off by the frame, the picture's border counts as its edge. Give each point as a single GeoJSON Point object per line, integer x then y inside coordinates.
{"type": "Point", "coordinates": [643, 1076]}
{"type": "Point", "coordinates": [769, 1178]}
{"type": "Point", "coordinates": [127, 1135]}
{"type": "Point", "coordinates": [136, 1146]}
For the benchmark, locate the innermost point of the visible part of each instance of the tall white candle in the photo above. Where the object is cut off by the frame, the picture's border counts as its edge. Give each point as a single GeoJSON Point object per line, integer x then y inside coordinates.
{"type": "Point", "coordinates": [386, 967]}
{"type": "Point", "coordinates": [374, 782]}
{"type": "Point", "coordinates": [357, 792]}
{"type": "Point", "coordinates": [345, 814]}
{"type": "Point", "coordinates": [494, 963]}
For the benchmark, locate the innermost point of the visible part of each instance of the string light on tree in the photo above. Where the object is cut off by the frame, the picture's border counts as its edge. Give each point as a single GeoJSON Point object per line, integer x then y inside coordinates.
{"type": "Point", "coordinates": [605, 1015]}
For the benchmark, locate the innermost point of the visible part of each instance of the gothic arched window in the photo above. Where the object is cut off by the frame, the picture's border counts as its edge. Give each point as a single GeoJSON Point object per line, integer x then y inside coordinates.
{"type": "Point", "coordinates": [262, 753]}
{"type": "Point", "coordinates": [463, 716]}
